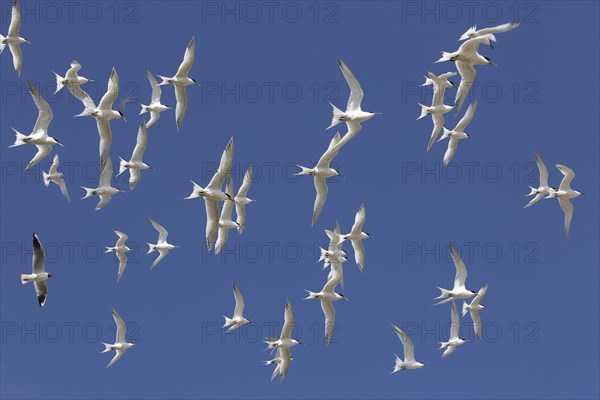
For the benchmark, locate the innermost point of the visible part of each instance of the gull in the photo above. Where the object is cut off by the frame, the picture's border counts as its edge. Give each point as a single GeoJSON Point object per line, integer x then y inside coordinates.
{"type": "Point", "coordinates": [544, 189]}
{"type": "Point", "coordinates": [409, 353]}
{"type": "Point", "coordinates": [327, 296]}
{"type": "Point", "coordinates": [161, 245]}
{"type": "Point", "coordinates": [120, 249]}
{"type": "Point", "coordinates": [474, 308]}
{"type": "Point", "coordinates": [57, 177]}
{"type": "Point", "coordinates": [356, 236]}
{"type": "Point", "coordinates": [454, 341]}
{"type": "Point", "coordinates": [135, 165]}
{"type": "Point", "coordinates": [104, 189]}
{"type": "Point", "coordinates": [212, 194]}
{"type": "Point", "coordinates": [321, 172]}
{"type": "Point", "coordinates": [225, 222]}
{"type": "Point", "coordinates": [282, 360]}
{"type": "Point", "coordinates": [72, 81]}
{"type": "Point", "coordinates": [564, 194]}
{"type": "Point", "coordinates": [466, 57]}
{"type": "Point", "coordinates": [353, 111]}
{"type": "Point", "coordinates": [39, 275]}
{"type": "Point", "coordinates": [458, 133]}
{"type": "Point", "coordinates": [180, 81]}
{"type": "Point", "coordinates": [39, 135]}
{"type": "Point", "coordinates": [13, 39]}
{"type": "Point", "coordinates": [285, 339]}
{"type": "Point", "coordinates": [238, 317]}
{"type": "Point", "coordinates": [155, 107]}
{"type": "Point", "coordinates": [459, 291]}
{"type": "Point", "coordinates": [241, 199]}
{"type": "Point", "coordinates": [120, 346]}
{"type": "Point", "coordinates": [472, 32]}
{"type": "Point", "coordinates": [438, 108]}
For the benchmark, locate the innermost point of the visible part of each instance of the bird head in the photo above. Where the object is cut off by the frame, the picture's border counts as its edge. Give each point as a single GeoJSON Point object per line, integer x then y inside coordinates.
{"type": "Point", "coordinates": [50, 275]}
{"type": "Point", "coordinates": [489, 61]}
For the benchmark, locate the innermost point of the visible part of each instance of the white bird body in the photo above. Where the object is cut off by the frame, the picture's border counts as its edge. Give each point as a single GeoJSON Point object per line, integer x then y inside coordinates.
{"type": "Point", "coordinates": [543, 189]}
{"type": "Point", "coordinates": [454, 341]}
{"type": "Point", "coordinates": [162, 246]}
{"type": "Point", "coordinates": [72, 81]}
{"type": "Point", "coordinates": [327, 295]}
{"type": "Point", "coordinates": [104, 189]}
{"type": "Point", "coordinates": [458, 133]}
{"type": "Point", "coordinates": [474, 308]}
{"type": "Point", "coordinates": [282, 361]}
{"type": "Point", "coordinates": [135, 164]}
{"type": "Point", "coordinates": [469, 51]}
{"type": "Point", "coordinates": [155, 107]}
{"type": "Point", "coordinates": [238, 318]}
{"type": "Point", "coordinates": [120, 248]}
{"type": "Point", "coordinates": [225, 221]}
{"type": "Point", "coordinates": [356, 236]}
{"type": "Point", "coordinates": [285, 340]}
{"type": "Point", "coordinates": [564, 194]}
{"type": "Point", "coordinates": [472, 32]}
{"type": "Point", "coordinates": [121, 345]}
{"type": "Point", "coordinates": [459, 291]}
{"type": "Point", "coordinates": [13, 38]}
{"type": "Point", "coordinates": [38, 276]}
{"type": "Point", "coordinates": [409, 361]}
{"type": "Point", "coordinates": [242, 199]}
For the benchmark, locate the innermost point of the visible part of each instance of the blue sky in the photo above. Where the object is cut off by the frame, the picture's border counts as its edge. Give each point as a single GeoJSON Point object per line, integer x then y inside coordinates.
{"type": "Point", "coordinates": [266, 75]}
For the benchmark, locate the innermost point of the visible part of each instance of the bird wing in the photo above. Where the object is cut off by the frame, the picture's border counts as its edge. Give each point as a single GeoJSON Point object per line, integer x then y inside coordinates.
{"type": "Point", "coordinates": [498, 29]}
{"type": "Point", "coordinates": [122, 264]}
{"type": "Point", "coordinates": [162, 232]}
{"type": "Point", "coordinates": [15, 20]}
{"type": "Point", "coordinates": [438, 124]}
{"type": "Point", "coordinates": [480, 295]}
{"type": "Point", "coordinates": [39, 256]}
{"type": "Point", "coordinates": [568, 173]}
{"type": "Point", "coordinates": [43, 151]}
{"type": "Point", "coordinates": [134, 177]}
{"type": "Point", "coordinates": [63, 188]}
{"type": "Point", "coordinates": [329, 313]}
{"type": "Point", "coordinates": [451, 150]}
{"type": "Point", "coordinates": [156, 90]}
{"type": "Point", "coordinates": [224, 166]}
{"type": "Point", "coordinates": [122, 238]}
{"type": "Point", "coordinates": [105, 134]}
{"type": "Point", "coordinates": [461, 269]}
{"type": "Point", "coordinates": [567, 207]}
{"type": "Point", "coordinates": [449, 350]}
{"type": "Point", "coordinates": [243, 191]}
{"type": "Point", "coordinates": [353, 129]}
{"type": "Point", "coordinates": [17, 56]}
{"type": "Point", "coordinates": [467, 76]}
{"type": "Point", "coordinates": [71, 74]}
{"type": "Point", "coordinates": [321, 188]}
{"type": "Point", "coordinates": [333, 280]}
{"type": "Point", "coordinates": [41, 290]}
{"type": "Point", "coordinates": [222, 236]}
{"type": "Point", "coordinates": [227, 208]}
{"type": "Point", "coordinates": [106, 175]}
{"type": "Point", "coordinates": [212, 222]}
{"type": "Point", "coordinates": [104, 200]}
{"type": "Point", "coordinates": [181, 107]}
{"type": "Point", "coordinates": [359, 253]}
{"type": "Point", "coordinates": [118, 354]}
{"type": "Point", "coordinates": [284, 362]}
{"type": "Point", "coordinates": [140, 144]}
{"type": "Point", "coordinates": [409, 348]}
{"type": "Point", "coordinates": [330, 153]}
{"type": "Point", "coordinates": [188, 60]}
{"type": "Point", "coordinates": [121, 328]}
{"type": "Point", "coordinates": [112, 91]}
{"type": "Point", "coordinates": [543, 170]}
{"type": "Point", "coordinates": [239, 302]}
{"type": "Point", "coordinates": [466, 119]}
{"type": "Point", "coordinates": [455, 322]}
{"type": "Point", "coordinates": [45, 112]}
{"type": "Point", "coordinates": [288, 321]}
{"type": "Point", "coordinates": [359, 219]}
{"type": "Point", "coordinates": [356, 92]}
{"type": "Point", "coordinates": [54, 167]}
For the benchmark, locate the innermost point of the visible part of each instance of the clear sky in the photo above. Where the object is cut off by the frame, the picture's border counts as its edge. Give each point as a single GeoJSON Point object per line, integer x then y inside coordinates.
{"type": "Point", "coordinates": [267, 72]}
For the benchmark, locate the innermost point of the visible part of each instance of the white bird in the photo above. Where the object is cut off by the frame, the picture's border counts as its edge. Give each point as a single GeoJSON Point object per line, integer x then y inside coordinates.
{"type": "Point", "coordinates": [241, 199]}
{"type": "Point", "coordinates": [238, 318]}
{"type": "Point", "coordinates": [454, 341]}
{"type": "Point", "coordinates": [121, 345]}
{"type": "Point", "coordinates": [56, 177]}
{"type": "Point", "coordinates": [458, 133]}
{"type": "Point", "coordinates": [321, 172]}
{"type": "Point", "coordinates": [459, 291]}
{"type": "Point", "coordinates": [120, 248]}
{"type": "Point", "coordinates": [72, 81]}
{"type": "Point", "coordinates": [39, 275]}
{"type": "Point", "coordinates": [409, 361]}
{"type": "Point", "coordinates": [353, 111]}
{"type": "Point", "coordinates": [472, 32]}
{"type": "Point", "coordinates": [225, 222]}
{"type": "Point", "coordinates": [212, 194]}
{"type": "Point", "coordinates": [356, 236]}
{"type": "Point", "coordinates": [180, 81]}
{"type": "Point", "coordinates": [438, 108]}
{"type": "Point", "coordinates": [564, 194]}
{"type": "Point", "coordinates": [327, 296]}
{"type": "Point", "coordinates": [161, 245]}
{"type": "Point", "coordinates": [135, 165]}
{"type": "Point", "coordinates": [39, 135]}
{"type": "Point", "coordinates": [155, 107]}
{"type": "Point", "coordinates": [474, 308]}
{"type": "Point", "coordinates": [104, 189]}
{"type": "Point", "coordinates": [282, 361]}
{"type": "Point", "coordinates": [13, 39]}
{"type": "Point", "coordinates": [543, 189]}
{"type": "Point", "coordinates": [285, 339]}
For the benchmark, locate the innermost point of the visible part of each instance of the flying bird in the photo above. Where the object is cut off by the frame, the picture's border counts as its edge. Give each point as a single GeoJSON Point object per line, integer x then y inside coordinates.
{"type": "Point", "coordinates": [39, 135]}
{"type": "Point", "coordinates": [238, 313]}
{"type": "Point", "coordinates": [474, 308]}
{"type": "Point", "coordinates": [473, 33]}
{"type": "Point", "coordinates": [564, 194]}
{"type": "Point", "coordinates": [282, 361]}
{"type": "Point", "coordinates": [13, 39]}
{"type": "Point", "coordinates": [162, 246]}
{"type": "Point", "coordinates": [121, 345]}
{"type": "Point", "coordinates": [56, 177]}
{"type": "Point", "coordinates": [409, 361]}
{"type": "Point", "coordinates": [459, 291]}
{"type": "Point", "coordinates": [457, 133]}
{"type": "Point", "coordinates": [241, 199]}
{"type": "Point", "coordinates": [120, 248]}
{"type": "Point", "coordinates": [72, 81]}
{"type": "Point", "coordinates": [285, 339]}
{"type": "Point", "coordinates": [454, 341]}
{"type": "Point", "coordinates": [39, 275]}
{"type": "Point", "coordinates": [104, 189]}
{"type": "Point", "coordinates": [438, 108]}
{"type": "Point", "coordinates": [180, 81]}
{"type": "Point", "coordinates": [543, 189]}
{"type": "Point", "coordinates": [155, 107]}
{"type": "Point", "coordinates": [135, 165]}
{"type": "Point", "coordinates": [356, 236]}
{"type": "Point", "coordinates": [225, 222]}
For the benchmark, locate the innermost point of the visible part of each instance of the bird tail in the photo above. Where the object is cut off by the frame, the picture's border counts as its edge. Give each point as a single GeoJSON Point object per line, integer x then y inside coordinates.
{"type": "Point", "coordinates": [26, 278]}
{"type": "Point", "coordinates": [444, 293]}
{"type": "Point", "coordinates": [337, 116]}
{"type": "Point", "coordinates": [228, 321]}
{"type": "Point", "coordinates": [551, 195]}
{"type": "Point", "coordinates": [122, 166]}
{"type": "Point", "coordinates": [445, 57]}
{"type": "Point", "coordinates": [144, 109]}
{"type": "Point", "coordinates": [323, 254]}
{"type": "Point", "coordinates": [334, 236]}
{"type": "Point", "coordinates": [106, 347]}
{"type": "Point", "coordinates": [59, 82]}
{"type": "Point", "coordinates": [271, 343]}
{"type": "Point", "coordinates": [195, 191]}
{"type": "Point", "coordinates": [46, 178]}
{"type": "Point", "coordinates": [445, 134]}
{"type": "Point", "coordinates": [86, 113]}
{"type": "Point", "coordinates": [465, 308]}
{"type": "Point", "coordinates": [88, 192]}
{"type": "Point", "coordinates": [2, 44]}
{"type": "Point", "coordinates": [424, 111]}
{"type": "Point", "coordinates": [303, 170]}
{"type": "Point", "coordinates": [311, 295]}
{"type": "Point", "coordinates": [109, 249]}
{"type": "Point", "coordinates": [428, 81]}
{"type": "Point", "coordinates": [164, 80]}
{"type": "Point", "coordinates": [532, 191]}
{"type": "Point", "coordinates": [151, 248]}
{"type": "Point", "coordinates": [19, 138]}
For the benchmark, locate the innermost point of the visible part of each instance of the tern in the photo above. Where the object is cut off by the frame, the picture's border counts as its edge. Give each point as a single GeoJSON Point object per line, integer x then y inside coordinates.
{"type": "Point", "coordinates": [39, 135]}
{"type": "Point", "coordinates": [161, 245]}
{"type": "Point", "coordinates": [543, 189]}
{"type": "Point", "coordinates": [285, 339]}
{"type": "Point", "coordinates": [459, 291]}
{"type": "Point", "coordinates": [409, 361]}
{"type": "Point", "coordinates": [39, 275]}
{"type": "Point", "coordinates": [353, 111]}
{"type": "Point", "coordinates": [438, 108]}
{"type": "Point", "coordinates": [13, 39]}
{"type": "Point", "coordinates": [327, 296]}
{"type": "Point", "coordinates": [454, 341]}
{"type": "Point", "coordinates": [72, 81]}
{"type": "Point", "coordinates": [180, 81]}
{"type": "Point", "coordinates": [135, 165]}
{"type": "Point", "coordinates": [238, 313]}
{"type": "Point", "coordinates": [121, 345]}
{"type": "Point", "coordinates": [155, 107]}
{"type": "Point", "coordinates": [225, 222]}
{"type": "Point", "coordinates": [212, 194]}
{"type": "Point", "coordinates": [564, 194]}
{"type": "Point", "coordinates": [120, 248]}
{"type": "Point", "coordinates": [458, 133]}
{"type": "Point", "coordinates": [356, 236]}
{"type": "Point", "coordinates": [241, 199]}
{"type": "Point", "coordinates": [56, 177]}
{"type": "Point", "coordinates": [474, 308]}
{"type": "Point", "coordinates": [473, 33]}
{"type": "Point", "coordinates": [282, 361]}
{"type": "Point", "coordinates": [104, 189]}
{"type": "Point", "coordinates": [321, 172]}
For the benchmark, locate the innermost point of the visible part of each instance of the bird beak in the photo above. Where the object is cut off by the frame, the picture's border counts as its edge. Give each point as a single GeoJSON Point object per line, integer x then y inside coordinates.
{"type": "Point", "coordinates": [494, 64]}
{"type": "Point", "coordinates": [61, 145]}
{"type": "Point", "coordinates": [123, 118]}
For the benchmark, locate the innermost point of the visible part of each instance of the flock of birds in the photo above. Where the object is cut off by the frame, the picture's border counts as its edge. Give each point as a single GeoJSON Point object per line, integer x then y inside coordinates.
{"type": "Point", "coordinates": [220, 221]}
